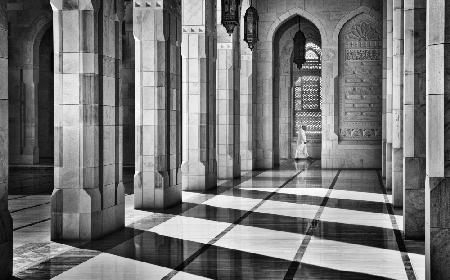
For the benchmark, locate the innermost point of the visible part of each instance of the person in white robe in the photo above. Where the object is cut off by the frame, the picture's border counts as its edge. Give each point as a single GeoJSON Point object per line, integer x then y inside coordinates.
{"type": "Point", "coordinates": [301, 152]}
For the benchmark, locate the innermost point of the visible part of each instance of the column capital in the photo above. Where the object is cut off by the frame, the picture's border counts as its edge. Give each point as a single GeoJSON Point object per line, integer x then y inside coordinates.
{"type": "Point", "coordinates": [172, 5]}
{"type": "Point", "coordinates": [60, 5]}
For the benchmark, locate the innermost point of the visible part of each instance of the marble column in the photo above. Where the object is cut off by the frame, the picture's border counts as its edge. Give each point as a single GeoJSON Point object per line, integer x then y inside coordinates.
{"type": "Point", "coordinates": [397, 104]}
{"type": "Point", "coordinates": [157, 33]}
{"type": "Point", "coordinates": [389, 50]}
{"type": "Point", "coordinates": [437, 182]}
{"type": "Point", "coordinates": [199, 45]}
{"type": "Point", "coordinates": [247, 101]}
{"type": "Point", "coordinates": [228, 107]}
{"type": "Point", "coordinates": [384, 92]}
{"type": "Point", "coordinates": [23, 97]}
{"type": "Point", "coordinates": [6, 232]}
{"type": "Point", "coordinates": [414, 119]}
{"type": "Point", "coordinates": [88, 199]}
{"type": "Point", "coordinates": [127, 94]}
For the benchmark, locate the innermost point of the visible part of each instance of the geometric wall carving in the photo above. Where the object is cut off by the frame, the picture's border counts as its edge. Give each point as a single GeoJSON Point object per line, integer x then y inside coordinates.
{"type": "Point", "coordinates": [360, 80]}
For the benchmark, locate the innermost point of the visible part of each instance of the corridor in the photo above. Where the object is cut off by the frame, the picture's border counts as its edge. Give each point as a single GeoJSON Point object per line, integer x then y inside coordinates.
{"type": "Point", "coordinates": [297, 222]}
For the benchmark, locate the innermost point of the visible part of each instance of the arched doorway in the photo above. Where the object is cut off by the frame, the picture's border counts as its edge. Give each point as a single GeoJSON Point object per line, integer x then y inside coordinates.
{"type": "Point", "coordinates": [45, 99]}
{"type": "Point", "coordinates": [307, 99]}
{"type": "Point", "coordinates": [296, 92]}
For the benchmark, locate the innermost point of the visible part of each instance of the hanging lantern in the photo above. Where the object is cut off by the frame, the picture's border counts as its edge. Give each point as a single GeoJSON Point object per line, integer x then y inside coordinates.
{"type": "Point", "coordinates": [230, 14]}
{"type": "Point", "coordinates": [299, 48]}
{"type": "Point", "coordinates": [251, 19]}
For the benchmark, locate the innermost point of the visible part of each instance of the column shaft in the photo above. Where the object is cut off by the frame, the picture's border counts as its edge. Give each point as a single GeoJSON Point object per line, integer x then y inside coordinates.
{"type": "Point", "coordinates": [414, 119]}
{"type": "Point", "coordinates": [127, 94]}
{"type": "Point", "coordinates": [199, 46]}
{"type": "Point", "coordinates": [384, 90]}
{"type": "Point", "coordinates": [157, 32]}
{"type": "Point", "coordinates": [437, 183]}
{"type": "Point", "coordinates": [228, 106]}
{"type": "Point", "coordinates": [389, 51]}
{"type": "Point", "coordinates": [397, 104]}
{"type": "Point", "coordinates": [247, 102]}
{"type": "Point", "coordinates": [88, 199]}
{"type": "Point", "coordinates": [6, 230]}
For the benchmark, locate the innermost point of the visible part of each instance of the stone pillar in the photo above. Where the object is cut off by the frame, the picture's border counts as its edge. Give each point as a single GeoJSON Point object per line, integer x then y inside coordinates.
{"type": "Point", "coordinates": [127, 94]}
{"type": "Point", "coordinates": [88, 199]}
{"type": "Point", "coordinates": [27, 146]}
{"type": "Point", "coordinates": [437, 183]}
{"type": "Point", "coordinates": [384, 92]}
{"type": "Point", "coordinates": [157, 33]}
{"type": "Point", "coordinates": [397, 104]}
{"type": "Point", "coordinates": [199, 50]}
{"type": "Point", "coordinates": [6, 232]}
{"type": "Point", "coordinates": [228, 107]}
{"type": "Point", "coordinates": [247, 101]}
{"type": "Point", "coordinates": [389, 50]}
{"type": "Point", "coordinates": [23, 97]}
{"type": "Point", "coordinates": [414, 120]}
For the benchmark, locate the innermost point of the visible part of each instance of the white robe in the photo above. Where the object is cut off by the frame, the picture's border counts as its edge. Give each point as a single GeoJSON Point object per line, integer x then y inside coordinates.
{"type": "Point", "coordinates": [301, 151]}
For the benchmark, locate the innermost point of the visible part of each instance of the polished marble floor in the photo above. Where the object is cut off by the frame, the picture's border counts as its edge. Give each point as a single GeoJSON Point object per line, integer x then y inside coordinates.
{"type": "Point", "coordinates": [297, 222]}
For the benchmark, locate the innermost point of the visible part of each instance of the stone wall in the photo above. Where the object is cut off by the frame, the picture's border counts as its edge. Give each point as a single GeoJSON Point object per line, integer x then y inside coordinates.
{"type": "Point", "coordinates": [329, 16]}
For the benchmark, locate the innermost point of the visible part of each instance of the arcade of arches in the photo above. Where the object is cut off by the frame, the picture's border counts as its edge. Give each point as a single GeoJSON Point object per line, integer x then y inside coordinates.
{"type": "Point", "coordinates": [138, 139]}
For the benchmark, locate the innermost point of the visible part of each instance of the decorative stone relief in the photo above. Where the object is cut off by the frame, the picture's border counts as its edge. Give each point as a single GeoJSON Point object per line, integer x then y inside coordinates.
{"type": "Point", "coordinates": [360, 73]}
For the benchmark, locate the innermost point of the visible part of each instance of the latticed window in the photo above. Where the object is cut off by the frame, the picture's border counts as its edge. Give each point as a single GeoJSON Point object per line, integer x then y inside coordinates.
{"type": "Point", "coordinates": [307, 95]}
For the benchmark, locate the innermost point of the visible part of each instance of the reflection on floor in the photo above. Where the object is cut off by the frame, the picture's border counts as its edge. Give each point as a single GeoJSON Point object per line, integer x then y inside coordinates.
{"type": "Point", "coordinates": [298, 222]}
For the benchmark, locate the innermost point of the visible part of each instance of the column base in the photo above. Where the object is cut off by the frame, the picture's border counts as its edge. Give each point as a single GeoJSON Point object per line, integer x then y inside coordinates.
{"type": "Point", "coordinates": [196, 176]}
{"type": "Point", "coordinates": [77, 214]}
{"type": "Point", "coordinates": [397, 177]}
{"type": "Point", "coordinates": [24, 159]}
{"type": "Point", "coordinates": [6, 245]}
{"type": "Point", "coordinates": [414, 198]}
{"type": "Point", "coordinates": [147, 194]}
{"type": "Point", "coordinates": [383, 159]}
{"type": "Point", "coordinates": [389, 166]}
{"type": "Point", "coordinates": [437, 228]}
{"type": "Point", "coordinates": [247, 160]}
{"type": "Point", "coordinates": [228, 167]}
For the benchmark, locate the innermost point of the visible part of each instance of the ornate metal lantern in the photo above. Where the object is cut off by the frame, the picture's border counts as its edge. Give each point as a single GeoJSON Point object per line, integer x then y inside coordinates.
{"type": "Point", "coordinates": [251, 19]}
{"type": "Point", "coordinates": [230, 14]}
{"type": "Point", "coordinates": [299, 47]}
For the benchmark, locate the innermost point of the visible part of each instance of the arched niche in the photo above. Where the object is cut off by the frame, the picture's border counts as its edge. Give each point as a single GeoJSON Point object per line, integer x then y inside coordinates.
{"type": "Point", "coordinates": [360, 81]}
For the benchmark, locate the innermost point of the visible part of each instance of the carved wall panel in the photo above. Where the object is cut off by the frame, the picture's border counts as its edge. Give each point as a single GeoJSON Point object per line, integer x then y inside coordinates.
{"type": "Point", "coordinates": [360, 80]}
